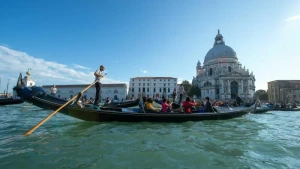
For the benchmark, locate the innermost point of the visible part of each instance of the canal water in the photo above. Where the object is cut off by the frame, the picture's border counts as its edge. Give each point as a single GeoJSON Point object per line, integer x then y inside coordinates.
{"type": "Point", "coordinates": [269, 140]}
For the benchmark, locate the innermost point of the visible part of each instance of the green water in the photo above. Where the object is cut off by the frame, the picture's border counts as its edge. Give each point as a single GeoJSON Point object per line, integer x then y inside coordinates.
{"type": "Point", "coordinates": [270, 140]}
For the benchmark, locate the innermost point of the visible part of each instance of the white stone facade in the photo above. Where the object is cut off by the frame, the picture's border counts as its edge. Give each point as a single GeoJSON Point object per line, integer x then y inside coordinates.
{"type": "Point", "coordinates": [222, 76]}
{"type": "Point", "coordinates": [152, 87]}
{"type": "Point", "coordinates": [114, 91]}
{"type": "Point", "coordinates": [28, 80]}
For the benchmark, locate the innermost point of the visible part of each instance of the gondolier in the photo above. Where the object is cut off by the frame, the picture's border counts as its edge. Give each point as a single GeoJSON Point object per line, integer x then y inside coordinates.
{"type": "Point", "coordinates": [53, 90]}
{"type": "Point", "coordinates": [99, 74]}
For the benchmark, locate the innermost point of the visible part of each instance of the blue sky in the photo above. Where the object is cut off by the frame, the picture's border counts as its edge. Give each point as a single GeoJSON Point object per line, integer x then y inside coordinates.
{"type": "Point", "coordinates": [64, 42]}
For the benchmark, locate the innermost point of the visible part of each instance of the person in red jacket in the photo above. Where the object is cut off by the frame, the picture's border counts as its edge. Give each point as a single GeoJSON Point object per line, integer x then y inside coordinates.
{"type": "Point", "coordinates": [187, 105]}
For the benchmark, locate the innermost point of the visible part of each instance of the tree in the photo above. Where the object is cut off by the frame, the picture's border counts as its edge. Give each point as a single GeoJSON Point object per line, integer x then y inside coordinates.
{"type": "Point", "coordinates": [187, 86]}
{"type": "Point", "coordinates": [261, 95]}
{"type": "Point", "coordinates": [195, 90]}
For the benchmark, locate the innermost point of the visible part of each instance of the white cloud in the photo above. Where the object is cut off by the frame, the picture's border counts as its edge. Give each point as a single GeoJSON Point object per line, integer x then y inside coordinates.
{"type": "Point", "coordinates": [143, 71]}
{"type": "Point", "coordinates": [80, 67]}
{"type": "Point", "coordinates": [13, 62]}
{"type": "Point", "coordinates": [293, 18]}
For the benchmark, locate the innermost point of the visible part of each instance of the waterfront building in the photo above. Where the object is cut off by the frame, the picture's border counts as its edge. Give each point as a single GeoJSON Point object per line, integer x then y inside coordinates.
{"type": "Point", "coordinates": [28, 80]}
{"type": "Point", "coordinates": [222, 76]}
{"type": "Point", "coordinates": [114, 91]}
{"type": "Point", "coordinates": [154, 87]}
{"type": "Point", "coordinates": [284, 91]}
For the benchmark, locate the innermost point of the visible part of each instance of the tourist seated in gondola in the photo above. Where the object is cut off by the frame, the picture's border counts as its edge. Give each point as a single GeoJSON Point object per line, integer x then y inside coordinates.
{"type": "Point", "coordinates": [201, 107]}
{"type": "Point", "coordinates": [294, 105]}
{"type": "Point", "coordinates": [165, 107]}
{"type": "Point", "coordinates": [149, 106]}
{"type": "Point", "coordinates": [107, 101]}
{"type": "Point", "coordinates": [208, 107]}
{"type": "Point", "coordinates": [187, 105]}
{"type": "Point", "coordinates": [239, 100]}
{"type": "Point", "coordinates": [234, 104]}
{"type": "Point", "coordinates": [92, 100]}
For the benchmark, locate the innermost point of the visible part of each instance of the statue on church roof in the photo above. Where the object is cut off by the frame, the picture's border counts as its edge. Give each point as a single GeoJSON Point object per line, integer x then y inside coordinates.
{"type": "Point", "coordinates": [28, 72]}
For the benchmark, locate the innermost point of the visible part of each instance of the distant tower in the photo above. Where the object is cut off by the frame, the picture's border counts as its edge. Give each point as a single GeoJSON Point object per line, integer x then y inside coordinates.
{"type": "Point", "coordinates": [27, 80]}
{"type": "Point", "coordinates": [198, 67]}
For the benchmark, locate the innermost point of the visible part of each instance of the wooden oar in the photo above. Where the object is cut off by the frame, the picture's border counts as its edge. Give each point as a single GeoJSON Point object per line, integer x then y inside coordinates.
{"type": "Point", "coordinates": [43, 121]}
{"type": "Point", "coordinates": [27, 106]}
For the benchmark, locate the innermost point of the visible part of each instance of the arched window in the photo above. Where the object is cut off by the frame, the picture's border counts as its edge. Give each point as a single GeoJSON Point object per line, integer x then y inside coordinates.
{"type": "Point", "coordinates": [206, 84]}
{"type": "Point", "coordinates": [210, 72]}
{"type": "Point", "coordinates": [229, 68]}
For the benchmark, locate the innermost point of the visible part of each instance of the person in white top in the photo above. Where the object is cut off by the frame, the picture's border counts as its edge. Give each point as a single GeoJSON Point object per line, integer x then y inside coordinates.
{"type": "Point", "coordinates": [98, 76]}
{"type": "Point", "coordinates": [180, 91]}
{"type": "Point", "coordinates": [53, 90]}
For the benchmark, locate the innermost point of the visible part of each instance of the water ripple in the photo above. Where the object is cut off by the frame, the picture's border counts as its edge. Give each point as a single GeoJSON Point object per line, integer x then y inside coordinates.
{"type": "Point", "coordinates": [269, 140]}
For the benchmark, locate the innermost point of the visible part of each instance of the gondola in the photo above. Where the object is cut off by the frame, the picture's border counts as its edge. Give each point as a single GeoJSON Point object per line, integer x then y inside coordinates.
{"type": "Point", "coordinates": [9, 101]}
{"type": "Point", "coordinates": [130, 114]}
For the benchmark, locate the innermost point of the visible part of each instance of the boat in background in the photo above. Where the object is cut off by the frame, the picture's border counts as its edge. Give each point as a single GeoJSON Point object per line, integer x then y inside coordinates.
{"type": "Point", "coordinates": [286, 109]}
{"type": "Point", "coordinates": [261, 109]}
{"type": "Point", "coordinates": [8, 99]}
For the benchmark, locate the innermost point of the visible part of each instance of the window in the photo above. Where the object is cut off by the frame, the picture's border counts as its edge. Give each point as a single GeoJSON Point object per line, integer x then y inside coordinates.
{"type": "Point", "coordinates": [148, 89]}
{"type": "Point", "coordinates": [147, 84]}
{"type": "Point", "coordinates": [139, 89]}
{"type": "Point", "coordinates": [132, 79]}
{"type": "Point", "coordinates": [168, 79]}
{"type": "Point", "coordinates": [164, 84]}
{"type": "Point", "coordinates": [168, 84]}
{"type": "Point", "coordinates": [71, 96]}
{"type": "Point", "coordinates": [159, 89]}
{"type": "Point", "coordinates": [58, 96]}
{"type": "Point", "coordinates": [159, 79]}
{"type": "Point", "coordinates": [143, 84]}
{"type": "Point", "coordinates": [210, 72]}
{"type": "Point", "coordinates": [154, 90]}
{"type": "Point", "coordinates": [229, 68]}
{"type": "Point", "coordinates": [132, 84]}
{"type": "Point", "coordinates": [148, 80]}
{"type": "Point", "coordinates": [132, 90]}
{"type": "Point", "coordinates": [164, 79]}
{"type": "Point", "coordinates": [165, 89]}
{"type": "Point", "coordinates": [154, 84]}
{"type": "Point", "coordinates": [143, 79]}
{"type": "Point", "coordinates": [139, 84]}
{"type": "Point", "coordinates": [139, 79]}
{"type": "Point", "coordinates": [168, 90]}
{"type": "Point", "coordinates": [116, 91]}
{"type": "Point", "coordinates": [144, 90]}
{"type": "Point", "coordinates": [154, 80]}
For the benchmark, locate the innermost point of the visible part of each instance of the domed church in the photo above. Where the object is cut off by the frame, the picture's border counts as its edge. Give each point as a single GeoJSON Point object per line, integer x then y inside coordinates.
{"type": "Point", "coordinates": [222, 76]}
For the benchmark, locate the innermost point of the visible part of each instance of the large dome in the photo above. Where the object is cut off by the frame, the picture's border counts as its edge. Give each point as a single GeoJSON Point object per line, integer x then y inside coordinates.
{"type": "Point", "coordinates": [220, 50]}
